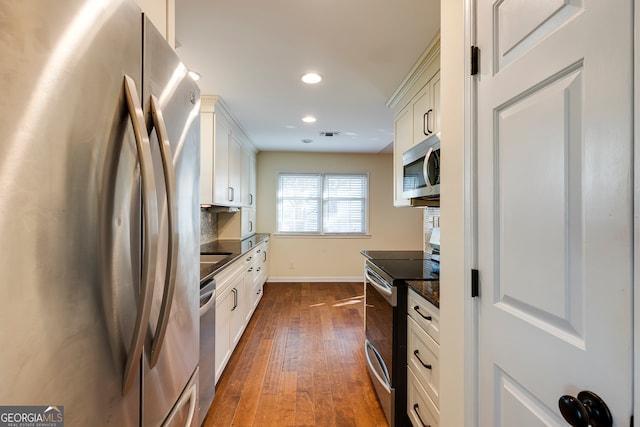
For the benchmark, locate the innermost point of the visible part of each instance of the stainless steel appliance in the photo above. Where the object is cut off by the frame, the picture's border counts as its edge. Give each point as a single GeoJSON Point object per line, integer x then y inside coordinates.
{"type": "Point", "coordinates": [99, 196]}
{"type": "Point", "coordinates": [421, 170]}
{"type": "Point", "coordinates": [386, 341]}
{"type": "Point", "coordinates": [207, 347]}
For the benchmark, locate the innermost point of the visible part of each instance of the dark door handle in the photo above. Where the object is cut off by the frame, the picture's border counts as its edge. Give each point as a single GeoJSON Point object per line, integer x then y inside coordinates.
{"type": "Point", "coordinates": [588, 409]}
{"type": "Point", "coordinates": [416, 353]}
{"type": "Point", "coordinates": [417, 309]}
{"type": "Point", "coordinates": [415, 409]}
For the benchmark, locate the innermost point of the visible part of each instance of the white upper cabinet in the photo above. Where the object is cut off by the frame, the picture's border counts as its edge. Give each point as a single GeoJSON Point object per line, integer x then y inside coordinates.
{"type": "Point", "coordinates": [253, 180]}
{"type": "Point", "coordinates": [416, 106]}
{"type": "Point", "coordinates": [227, 162]}
{"type": "Point", "coordinates": [207, 126]}
{"type": "Point", "coordinates": [426, 110]}
{"type": "Point", "coordinates": [248, 178]}
{"type": "Point", "coordinates": [402, 141]}
{"type": "Point", "coordinates": [221, 165]}
{"type": "Point", "coordinates": [230, 192]}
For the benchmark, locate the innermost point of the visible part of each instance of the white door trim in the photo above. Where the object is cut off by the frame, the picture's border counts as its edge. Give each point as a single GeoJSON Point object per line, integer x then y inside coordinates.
{"type": "Point", "coordinates": [636, 209]}
{"type": "Point", "coordinates": [470, 224]}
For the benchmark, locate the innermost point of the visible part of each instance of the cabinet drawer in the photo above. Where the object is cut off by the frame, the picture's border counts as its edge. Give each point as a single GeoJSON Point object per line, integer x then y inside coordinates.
{"type": "Point", "coordinates": [423, 358]}
{"type": "Point", "coordinates": [425, 314]}
{"type": "Point", "coordinates": [227, 278]}
{"type": "Point", "coordinates": [420, 408]}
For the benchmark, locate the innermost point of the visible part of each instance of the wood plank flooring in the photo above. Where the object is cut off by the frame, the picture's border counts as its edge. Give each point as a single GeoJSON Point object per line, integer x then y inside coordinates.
{"type": "Point", "coordinates": [300, 362]}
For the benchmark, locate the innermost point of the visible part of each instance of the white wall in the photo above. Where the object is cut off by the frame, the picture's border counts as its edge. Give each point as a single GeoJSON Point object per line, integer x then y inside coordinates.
{"type": "Point", "coordinates": [162, 13]}
{"type": "Point", "coordinates": [333, 259]}
{"type": "Point", "coordinates": [452, 275]}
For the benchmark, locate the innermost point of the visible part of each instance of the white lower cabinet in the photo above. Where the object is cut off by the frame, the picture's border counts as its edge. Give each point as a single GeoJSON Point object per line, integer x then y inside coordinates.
{"type": "Point", "coordinates": [261, 270]}
{"type": "Point", "coordinates": [422, 411]}
{"type": "Point", "coordinates": [423, 358]}
{"type": "Point", "coordinates": [230, 317]}
{"type": "Point", "coordinates": [423, 361]}
{"type": "Point", "coordinates": [239, 290]}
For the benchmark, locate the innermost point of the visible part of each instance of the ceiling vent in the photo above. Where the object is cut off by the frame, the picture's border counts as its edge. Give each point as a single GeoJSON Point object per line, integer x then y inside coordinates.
{"type": "Point", "coordinates": [329, 133]}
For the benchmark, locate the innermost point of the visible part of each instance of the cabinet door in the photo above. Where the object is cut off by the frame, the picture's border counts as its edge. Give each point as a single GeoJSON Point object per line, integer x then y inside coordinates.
{"type": "Point", "coordinates": [248, 178]}
{"type": "Point", "coordinates": [246, 162]}
{"type": "Point", "coordinates": [252, 180]}
{"type": "Point", "coordinates": [235, 171]}
{"type": "Point", "coordinates": [426, 110]}
{"type": "Point", "coordinates": [435, 95]}
{"type": "Point", "coordinates": [248, 219]}
{"type": "Point", "coordinates": [224, 305]}
{"type": "Point", "coordinates": [206, 158]}
{"type": "Point", "coordinates": [238, 310]}
{"type": "Point", "coordinates": [403, 134]}
{"type": "Point", "coordinates": [221, 192]}
{"type": "Point", "coordinates": [422, 107]}
{"type": "Point", "coordinates": [249, 281]}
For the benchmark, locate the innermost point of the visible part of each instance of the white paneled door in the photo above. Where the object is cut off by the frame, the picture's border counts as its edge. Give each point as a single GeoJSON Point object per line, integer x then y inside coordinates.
{"type": "Point", "coordinates": [555, 218]}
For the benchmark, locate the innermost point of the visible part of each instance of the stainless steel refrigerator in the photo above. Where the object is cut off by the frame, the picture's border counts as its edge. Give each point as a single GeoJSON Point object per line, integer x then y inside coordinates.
{"type": "Point", "coordinates": [99, 216]}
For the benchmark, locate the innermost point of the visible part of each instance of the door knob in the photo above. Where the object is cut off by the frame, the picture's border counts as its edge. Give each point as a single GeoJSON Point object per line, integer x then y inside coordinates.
{"type": "Point", "coordinates": [587, 410]}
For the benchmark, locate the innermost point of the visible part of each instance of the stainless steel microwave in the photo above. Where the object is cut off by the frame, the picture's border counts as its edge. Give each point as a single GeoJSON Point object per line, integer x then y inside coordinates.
{"type": "Point", "coordinates": [421, 165]}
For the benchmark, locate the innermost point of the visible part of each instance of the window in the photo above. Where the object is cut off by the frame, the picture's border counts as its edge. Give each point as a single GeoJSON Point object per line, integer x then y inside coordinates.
{"type": "Point", "coordinates": [314, 203]}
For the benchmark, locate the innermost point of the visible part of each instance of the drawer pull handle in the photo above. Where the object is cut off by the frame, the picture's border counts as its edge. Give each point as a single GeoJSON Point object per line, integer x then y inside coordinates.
{"type": "Point", "coordinates": [417, 309]}
{"type": "Point", "coordinates": [416, 353]}
{"type": "Point", "coordinates": [235, 299]}
{"type": "Point", "coordinates": [415, 409]}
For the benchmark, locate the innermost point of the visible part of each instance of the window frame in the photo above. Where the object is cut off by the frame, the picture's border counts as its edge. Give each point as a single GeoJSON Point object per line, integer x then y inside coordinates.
{"type": "Point", "coordinates": [322, 206]}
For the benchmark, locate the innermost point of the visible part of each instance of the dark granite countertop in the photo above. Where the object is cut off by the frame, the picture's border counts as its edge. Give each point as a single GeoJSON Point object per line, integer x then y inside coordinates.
{"type": "Point", "coordinates": [380, 254]}
{"type": "Point", "coordinates": [235, 247]}
{"type": "Point", "coordinates": [427, 289]}
{"type": "Point", "coordinates": [413, 267]}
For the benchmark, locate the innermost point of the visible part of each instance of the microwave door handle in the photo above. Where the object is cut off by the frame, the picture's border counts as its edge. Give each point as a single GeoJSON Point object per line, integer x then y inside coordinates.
{"type": "Point", "coordinates": [150, 234]}
{"type": "Point", "coordinates": [172, 211]}
{"type": "Point", "coordinates": [425, 167]}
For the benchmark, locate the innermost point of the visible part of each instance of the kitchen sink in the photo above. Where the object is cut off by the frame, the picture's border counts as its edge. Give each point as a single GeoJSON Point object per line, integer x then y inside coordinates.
{"type": "Point", "coordinates": [213, 258]}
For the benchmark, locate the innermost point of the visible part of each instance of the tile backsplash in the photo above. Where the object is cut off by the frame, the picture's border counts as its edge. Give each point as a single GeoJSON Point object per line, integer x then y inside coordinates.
{"type": "Point", "coordinates": [208, 226]}
{"type": "Point", "coordinates": [431, 220]}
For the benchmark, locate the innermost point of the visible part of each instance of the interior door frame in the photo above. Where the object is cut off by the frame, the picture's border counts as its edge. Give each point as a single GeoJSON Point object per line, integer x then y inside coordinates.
{"type": "Point", "coordinates": [470, 217]}
{"type": "Point", "coordinates": [470, 221]}
{"type": "Point", "coordinates": [636, 207]}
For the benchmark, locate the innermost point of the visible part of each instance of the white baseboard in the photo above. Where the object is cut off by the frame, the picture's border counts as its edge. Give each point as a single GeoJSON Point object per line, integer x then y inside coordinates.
{"type": "Point", "coordinates": [289, 279]}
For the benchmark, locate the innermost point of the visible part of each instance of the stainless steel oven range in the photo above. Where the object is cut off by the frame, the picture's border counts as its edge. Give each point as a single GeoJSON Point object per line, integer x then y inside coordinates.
{"type": "Point", "coordinates": [386, 341]}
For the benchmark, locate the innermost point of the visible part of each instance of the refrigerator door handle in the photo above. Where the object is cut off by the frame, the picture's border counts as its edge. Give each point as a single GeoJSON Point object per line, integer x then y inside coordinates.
{"type": "Point", "coordinates": [172, 210]}
{"type": "Point", "coordinates": [150, 234]}
{"type": "Point", "coordinates": [192, 396]}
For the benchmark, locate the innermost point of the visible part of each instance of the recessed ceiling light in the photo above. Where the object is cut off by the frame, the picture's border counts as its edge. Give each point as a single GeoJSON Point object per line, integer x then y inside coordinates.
{"type": "Point", "coordinates": [195, 76]}
{"type": "Point", "coordinates": [307, 140]}
{"type": "Point", "coordinates": [311, 78]}
{"type": "Point", "coordinates": [309, 119]}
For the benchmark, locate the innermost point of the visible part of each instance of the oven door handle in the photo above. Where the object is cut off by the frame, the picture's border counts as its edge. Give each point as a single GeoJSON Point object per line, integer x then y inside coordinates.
{"type": "Point", "coordinates": [385, 382]}
{"type": "Point", "coordinates": [385, 290]}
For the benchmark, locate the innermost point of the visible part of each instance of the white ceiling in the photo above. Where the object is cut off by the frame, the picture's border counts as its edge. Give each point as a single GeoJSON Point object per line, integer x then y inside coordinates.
{"type": "Point", "coordinates": [252, 53]}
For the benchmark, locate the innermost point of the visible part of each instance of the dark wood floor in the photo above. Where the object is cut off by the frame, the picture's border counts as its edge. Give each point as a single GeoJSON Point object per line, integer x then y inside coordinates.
{"type": "Point", "coordinates": [300, 362]}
